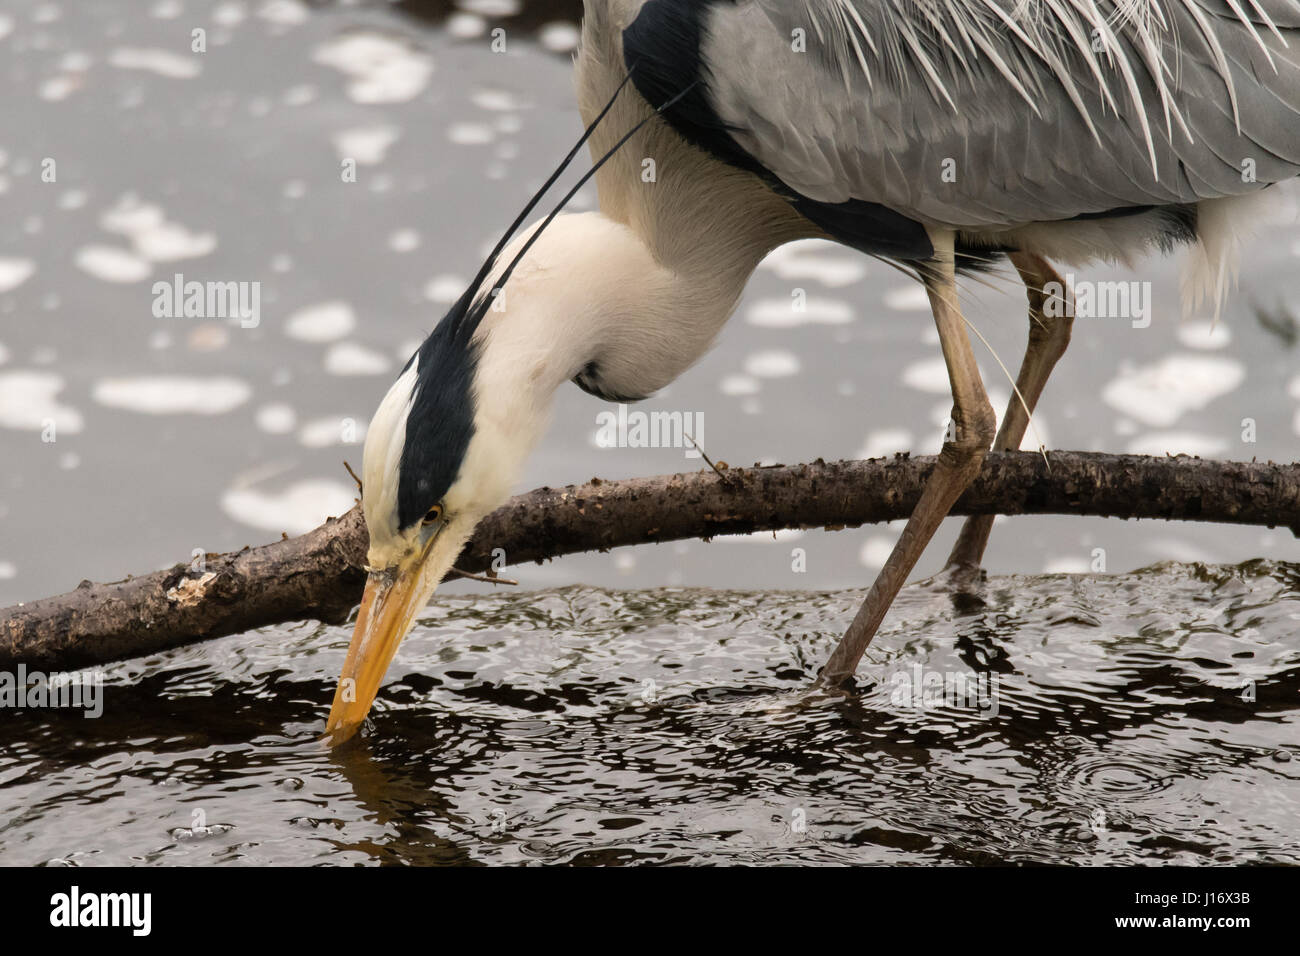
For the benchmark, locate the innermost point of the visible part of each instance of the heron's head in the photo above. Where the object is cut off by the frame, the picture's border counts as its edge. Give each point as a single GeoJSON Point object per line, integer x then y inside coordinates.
{"type": "Point", "coordinates": [435, 463]}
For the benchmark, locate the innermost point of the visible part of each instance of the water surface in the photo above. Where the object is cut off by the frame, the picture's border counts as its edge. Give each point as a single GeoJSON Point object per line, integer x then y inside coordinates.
{"type": "Point", "coordinates": [1139, 718]}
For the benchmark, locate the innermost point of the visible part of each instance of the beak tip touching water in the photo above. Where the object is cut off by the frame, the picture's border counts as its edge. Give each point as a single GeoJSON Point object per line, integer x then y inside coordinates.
{"type": "Point", "coordinates": [388, 607]}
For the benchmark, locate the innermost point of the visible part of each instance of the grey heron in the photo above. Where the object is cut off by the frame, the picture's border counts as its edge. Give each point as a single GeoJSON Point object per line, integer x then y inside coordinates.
{"type": "Point", "coordinates": [939, 135]}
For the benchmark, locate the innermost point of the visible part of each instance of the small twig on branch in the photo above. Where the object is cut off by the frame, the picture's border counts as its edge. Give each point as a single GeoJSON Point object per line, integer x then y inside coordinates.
{"type": "Point", "coordinates": [318, 575]}
{"type": "Point", "coordinates": [360, 489]}
{"type": "Point", "coordinates": [717, 469]}
{"type": "Point", "coordinates": [485, 578]}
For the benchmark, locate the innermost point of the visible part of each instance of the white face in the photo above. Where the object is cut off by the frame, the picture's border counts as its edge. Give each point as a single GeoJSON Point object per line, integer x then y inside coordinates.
{"type": "Point", "coordinates": [380, 474]}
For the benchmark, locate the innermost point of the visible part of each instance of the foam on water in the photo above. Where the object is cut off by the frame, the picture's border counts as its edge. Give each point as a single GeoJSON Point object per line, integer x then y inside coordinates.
{"type": "Point", "coordinates": [349, 358]}
{"type": "Point", "coordinates": [782, 313]}
{"type": "Point", "coordinates": [1162, 392]}
{"type": "Point", "coordinates": [323, 322]}
{"type": "Point", "coordinates": [368, 145]}
{"type": "Point", "coordinates": [172, 394]}
{"type": "Point", "coordinates": [928, 375]}
{"type": "Point", "coordinates": [332, 430]}
{"type": "Point", "coordinates": [295, 509]}
{"type": "Point", "coordinates": [14, 272]}
{"type": "Point", "coordinates": [112, 264]}
{"type": "Point", "coordinates": [772, 363]}
{"type": "Point", "coordinates": [908, 298]}
{"type": "Point", "coordinates": [381, 67]}
{"type": "Point", "coordinates": [154, 237]}
{"type": "Point", "coordinates": [28, 401]}
{"type": "Point", "coordinates": [817, 259]}
{"type": "Point", "coordinates": [276, 419]}
{"type": "Point", "coordinates": [160, 62]}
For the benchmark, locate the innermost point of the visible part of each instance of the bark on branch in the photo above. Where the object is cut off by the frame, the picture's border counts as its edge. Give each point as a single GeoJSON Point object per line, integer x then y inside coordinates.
{"type": "Point", "coordinates": [318, 574]}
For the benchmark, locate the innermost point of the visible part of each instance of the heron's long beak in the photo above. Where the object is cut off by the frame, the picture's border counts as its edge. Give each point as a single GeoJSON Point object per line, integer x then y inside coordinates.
{"type": "Point", "coordinates": [388, 609]}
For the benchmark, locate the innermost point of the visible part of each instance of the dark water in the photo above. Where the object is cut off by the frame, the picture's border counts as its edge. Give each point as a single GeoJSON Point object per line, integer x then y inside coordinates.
{"type": "Point", "coordinates": [589, 726]}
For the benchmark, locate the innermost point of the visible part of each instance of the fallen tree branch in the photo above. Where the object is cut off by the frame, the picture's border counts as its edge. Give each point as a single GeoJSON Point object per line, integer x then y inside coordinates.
{"type": "Point", "coordinates": [318, 575]}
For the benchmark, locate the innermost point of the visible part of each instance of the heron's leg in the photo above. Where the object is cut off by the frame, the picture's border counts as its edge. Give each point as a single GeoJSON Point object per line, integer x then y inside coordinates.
{"type": "Point", "coordinates": [958, 463]}
{"type": "Point", "coordinates": [1049, 334]}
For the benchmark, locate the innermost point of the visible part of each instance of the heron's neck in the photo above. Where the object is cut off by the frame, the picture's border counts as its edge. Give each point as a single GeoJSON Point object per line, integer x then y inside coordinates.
{"type": "Point", "coordinates": [591, 300]}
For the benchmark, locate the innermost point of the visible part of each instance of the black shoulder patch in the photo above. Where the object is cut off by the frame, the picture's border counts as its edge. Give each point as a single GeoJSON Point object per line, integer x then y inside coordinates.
{"type": "Point", "coordinates": [661, 48]}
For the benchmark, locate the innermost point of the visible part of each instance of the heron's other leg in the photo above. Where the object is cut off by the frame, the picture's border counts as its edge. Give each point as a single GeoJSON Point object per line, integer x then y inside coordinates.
{"type": "Point", "coordinates": [959, 462]}
{"type": "Point", "coordinates": [1049, 334]}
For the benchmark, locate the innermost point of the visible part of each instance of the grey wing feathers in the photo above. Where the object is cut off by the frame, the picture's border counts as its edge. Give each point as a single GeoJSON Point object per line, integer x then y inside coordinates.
{"type": "Point", "coordinates": [989, 113]}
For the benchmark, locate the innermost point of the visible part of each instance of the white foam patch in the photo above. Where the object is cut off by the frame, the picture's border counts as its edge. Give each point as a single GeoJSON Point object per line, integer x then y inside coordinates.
{"type": "Point", "coordinates": [368, 145]}
{"type": "Point", "coordinates": [325, 432]}
{"type": "Point", "coordinates": [444, 289]}
{"type": "Point", "coordinates": [324, 322]}
{"type": "Point", "coordinates": [4, 354]}
{"type": "Point", "coordinates": [928, 375]}
{"type": "Point", "coordinates": [6, 26]}
{"type": "Point", "coordinates": [1160, 394]}
{"type": "Point", "coordinates": [908, 298]}
{"type": "Point", "coordinates": [161, 62]}
{"type": "Point", "coordinates": [1295, 422]}
{"type": "Point", "coordinates": [559, 37]}
{"type": "Point", "coordinates": [779, 313]}
{"type": "Point", "coordinates": [285, 13]}
{"type": "Point", "coordinates": [886, 442]}
{"type": "Point", "coordinates": [59, 88]}
{"type": "Point", "coordinates": [774, 363]}
{"type": "Point", "coordinates": [500, 101]}
{"type": "Point", "coordinates": [229, 14]}
{"type": "Point", "coordinates": [465, 26]}
{"type": "Point", "coordinates": [276, 419]}
{"type": "Point", "coordinates": [348, 358]}
{"type": "Point", "coordinates": [28, 401]}
{"type": "Point", "coordinates": [1204, 335]}
{"type": "Point", "coordinates": [739, 385]}
{"type": "Point", "coordinates": [470, 134]}
{"type": "Point", "coordinates": [1293, 387]}
{"type": "Point", "coordinates": [382, 68]}
{"type": "Point", "coordinates": [1160, 444]}
{"type": "Point", "coordinates": [14, 272]}
{"type": "Point", "coordinates": [496, 9]}
{"type": "Point", "coordinates": [404, 240]}
{"type": "Point", "coordinates": [172, 394]}
{"type": "Point", "coordinates": [875, 552]}
{"type": "Point", "coordinates": [154, 237]}
{"type": "Point", "coordinates": [111, 264]}
{"type": "Point", "coordinates": [297, 509]}
{"type": "Point", "coordinates": [816, 259]}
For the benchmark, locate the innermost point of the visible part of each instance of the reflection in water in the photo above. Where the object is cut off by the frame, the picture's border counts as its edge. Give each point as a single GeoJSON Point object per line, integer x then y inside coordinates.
{"type": "Point", "coordinates": [588, 726]}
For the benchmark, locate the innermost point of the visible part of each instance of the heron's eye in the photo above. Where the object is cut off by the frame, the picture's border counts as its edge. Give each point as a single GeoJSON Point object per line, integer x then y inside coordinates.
{"type": "Point", "coordinates": [434, 515]}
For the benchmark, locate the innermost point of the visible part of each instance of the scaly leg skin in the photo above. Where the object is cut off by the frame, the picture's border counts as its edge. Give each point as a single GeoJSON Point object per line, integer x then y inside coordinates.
{"type": "Point", "coordinates": [958, 464]}
{"type": "Point", "coordinates": [1048, 337]}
